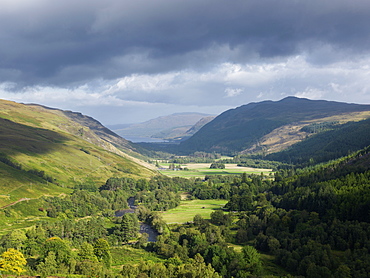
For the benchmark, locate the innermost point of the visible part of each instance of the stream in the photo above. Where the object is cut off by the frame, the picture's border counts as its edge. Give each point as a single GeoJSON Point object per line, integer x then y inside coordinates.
{"type": "Point", "coordinates": [144, 228]}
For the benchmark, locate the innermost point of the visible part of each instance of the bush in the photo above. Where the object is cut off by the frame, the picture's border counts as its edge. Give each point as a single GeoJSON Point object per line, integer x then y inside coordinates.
{"type": "Point", "coordinates": [217, 166]}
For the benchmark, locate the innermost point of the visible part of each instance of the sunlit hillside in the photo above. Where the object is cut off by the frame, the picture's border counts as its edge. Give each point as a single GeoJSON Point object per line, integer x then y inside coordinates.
{"type": "Point", "coordinates": [45, 152]}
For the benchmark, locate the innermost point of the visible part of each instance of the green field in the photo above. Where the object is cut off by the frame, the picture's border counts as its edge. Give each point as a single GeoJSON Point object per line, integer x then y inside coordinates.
{"type": "Point", "coordinates": [199, 170]}
{"type": "Point", "coordinates": [188, 209]}
{"type": "Point", "coordinates": [126, 254]}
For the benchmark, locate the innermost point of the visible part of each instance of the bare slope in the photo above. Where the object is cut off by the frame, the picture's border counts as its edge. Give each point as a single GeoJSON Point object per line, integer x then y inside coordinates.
{"type": "Point", "coordinates": [99, 135]}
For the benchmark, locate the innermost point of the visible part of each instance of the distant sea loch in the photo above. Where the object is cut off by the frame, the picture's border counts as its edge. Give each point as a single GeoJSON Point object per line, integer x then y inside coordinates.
{"type": "Point", "coordinates": [143, 139]}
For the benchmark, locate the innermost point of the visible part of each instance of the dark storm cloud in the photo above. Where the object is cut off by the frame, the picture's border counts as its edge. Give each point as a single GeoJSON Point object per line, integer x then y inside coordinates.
{"type": "Point", "coordinates": [71, 42]}
{"type": "Point", "coordinates": [134, 60]}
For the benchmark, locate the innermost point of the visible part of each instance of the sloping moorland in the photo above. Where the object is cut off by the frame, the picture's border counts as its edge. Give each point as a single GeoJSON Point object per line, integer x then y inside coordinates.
{"type": "Point", "coordinates": [43, 152]}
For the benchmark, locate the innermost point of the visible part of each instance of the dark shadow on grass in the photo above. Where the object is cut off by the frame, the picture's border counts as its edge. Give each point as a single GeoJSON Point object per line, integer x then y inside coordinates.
{"type": "Point", "coordinates": [217, 209]}
{"type": "Point", "coordinates": [17, 138]}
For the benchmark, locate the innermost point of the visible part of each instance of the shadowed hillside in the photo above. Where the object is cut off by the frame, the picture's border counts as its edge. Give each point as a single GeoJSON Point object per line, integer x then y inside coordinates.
{"type": "Point", "coordinates": [238, 129]}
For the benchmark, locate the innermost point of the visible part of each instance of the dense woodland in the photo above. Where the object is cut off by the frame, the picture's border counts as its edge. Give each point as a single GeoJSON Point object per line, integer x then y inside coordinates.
{"type": "Point", "coordinates": [330, 142]}
{"type": "Point", "coordinates": [196, 157]}
{"type": "Point", "coordinates": [314, 222]}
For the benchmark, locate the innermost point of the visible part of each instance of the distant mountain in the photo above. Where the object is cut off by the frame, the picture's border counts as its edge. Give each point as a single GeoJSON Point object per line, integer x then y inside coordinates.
{"type": "Point", "coordinates": [47, 151]}
{"type": "Point", "coordinates": [195, 128]}
{"type": "Point", "coordinates": [167, 127]}
{"type": "Point", "coordinates": [118, 126]}
{"type": "Point", "coordinates": [184, 132]}
{"type": "Point", "coordinates": [249, 127]}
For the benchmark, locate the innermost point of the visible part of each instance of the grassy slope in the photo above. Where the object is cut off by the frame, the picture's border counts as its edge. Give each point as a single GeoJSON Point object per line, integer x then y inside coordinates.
{"type": "Point", "coordinates": [328, 145]}
{"type": "Point", "coordinates": [284, 137]}
{"type": "Point", "coordinates": [40, 140]}
{"type": "Point", "coordinates": [16, 185]}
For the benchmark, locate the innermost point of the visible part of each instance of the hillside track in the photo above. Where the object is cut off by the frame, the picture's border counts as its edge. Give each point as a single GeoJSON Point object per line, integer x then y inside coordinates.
{"type": "Point", "coordinates": [16, 202]}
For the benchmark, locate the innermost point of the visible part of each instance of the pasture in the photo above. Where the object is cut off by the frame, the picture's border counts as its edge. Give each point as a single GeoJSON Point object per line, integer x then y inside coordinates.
{"type": "Point", "coordinates": [186, 211]}
{"type": "Point", "coordinates": [199, 170]}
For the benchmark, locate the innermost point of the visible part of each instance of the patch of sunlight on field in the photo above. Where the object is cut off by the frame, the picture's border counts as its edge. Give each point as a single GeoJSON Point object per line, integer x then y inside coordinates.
{"type": "Point", "coordinates": [186, 211]}
{"type": "Point", "coordinates": [199, 170]}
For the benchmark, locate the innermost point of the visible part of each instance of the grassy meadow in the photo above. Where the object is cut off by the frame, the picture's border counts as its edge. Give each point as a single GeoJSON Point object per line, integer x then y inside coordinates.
{"type": "Point", "coordinates": [199, 170]}
{"type": "Point", "coordinates": [188, 209]}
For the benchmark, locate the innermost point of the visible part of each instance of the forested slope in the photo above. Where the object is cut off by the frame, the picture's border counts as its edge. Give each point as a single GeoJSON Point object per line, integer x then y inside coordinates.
{"type": "Point", "coordinates": [337, 141]}
{"type": "Point", "coordinates": [315, 221]}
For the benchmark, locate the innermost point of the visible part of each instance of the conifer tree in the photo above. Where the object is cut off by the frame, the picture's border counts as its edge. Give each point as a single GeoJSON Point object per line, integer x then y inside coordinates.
{"type": "Point", "coordinates": [49, 266]}
{"type": "Point", "coordinates": [129, 227]}
{"type": "Point", "coordinates": [102, 252]}
{"type": "Point", "coordinates": [87, 252]}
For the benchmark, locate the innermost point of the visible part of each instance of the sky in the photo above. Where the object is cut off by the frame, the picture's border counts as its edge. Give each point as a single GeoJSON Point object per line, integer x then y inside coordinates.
{"type": "Point", "coordinates": [123, 61]}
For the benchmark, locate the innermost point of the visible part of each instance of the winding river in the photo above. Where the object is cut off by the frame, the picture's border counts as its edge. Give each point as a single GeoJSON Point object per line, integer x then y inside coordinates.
{"type": "Point", "coordinates": [144, 228]}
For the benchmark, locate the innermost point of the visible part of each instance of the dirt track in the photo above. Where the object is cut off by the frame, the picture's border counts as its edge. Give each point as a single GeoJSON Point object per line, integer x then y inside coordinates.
{"type": "Point", "coordinates": [20, 200]}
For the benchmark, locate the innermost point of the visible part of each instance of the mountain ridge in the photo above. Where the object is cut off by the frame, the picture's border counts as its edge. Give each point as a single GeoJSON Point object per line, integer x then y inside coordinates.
{"type": "Point", "coordinates": [42, 151]}
{"type": "Point", "coordinates": [96, 127]}
{"type": "Point", "coordinates": [162, 127]}
{"type": "Point", "coordinates": [240, 128]}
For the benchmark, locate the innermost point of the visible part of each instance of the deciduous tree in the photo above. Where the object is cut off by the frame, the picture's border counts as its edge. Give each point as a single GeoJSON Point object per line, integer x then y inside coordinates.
{"type": "Point", "coordinates": [12, 261]}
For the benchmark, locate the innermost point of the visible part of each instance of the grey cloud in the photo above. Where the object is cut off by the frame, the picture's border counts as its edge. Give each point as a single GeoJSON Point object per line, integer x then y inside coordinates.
{"type": "Point", "coordinates": [75, 41]}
